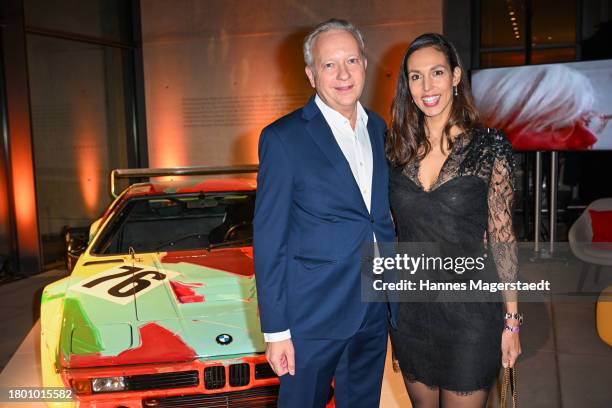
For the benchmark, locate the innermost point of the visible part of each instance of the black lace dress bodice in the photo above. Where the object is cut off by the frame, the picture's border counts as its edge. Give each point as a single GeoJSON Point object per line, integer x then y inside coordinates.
{"type": "Point", "coordinates": [456, 346]}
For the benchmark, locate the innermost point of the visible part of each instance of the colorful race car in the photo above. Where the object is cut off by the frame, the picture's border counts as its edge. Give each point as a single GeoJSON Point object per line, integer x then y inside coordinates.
{"type": "Point", "coordinates": [161, 307]}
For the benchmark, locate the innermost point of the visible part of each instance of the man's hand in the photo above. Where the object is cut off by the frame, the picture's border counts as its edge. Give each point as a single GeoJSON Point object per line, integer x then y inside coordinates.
{"type": "Point", "coordinates": [281, 357]}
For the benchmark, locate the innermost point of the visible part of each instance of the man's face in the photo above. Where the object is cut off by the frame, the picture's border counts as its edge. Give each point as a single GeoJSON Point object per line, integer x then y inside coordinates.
{"type": "Point", "coordinates": [338, 71]}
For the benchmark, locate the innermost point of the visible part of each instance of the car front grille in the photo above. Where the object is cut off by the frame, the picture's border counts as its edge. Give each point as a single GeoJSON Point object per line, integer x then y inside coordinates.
{"type": "Point", "coordinates": [239, 375]}
{"type": "Point", "coordinates": [263, 370]}
{"type": "Point", "coordinates": [161, 381]}
{"type": "Point", "coordinates": [214, 377]}
{"type": "Point", "coordinates": [262, 397]}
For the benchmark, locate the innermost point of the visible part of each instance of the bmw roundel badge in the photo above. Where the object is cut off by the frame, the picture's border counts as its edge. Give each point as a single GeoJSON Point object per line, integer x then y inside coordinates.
{"type": "Point", "coordinates": [224, 339]}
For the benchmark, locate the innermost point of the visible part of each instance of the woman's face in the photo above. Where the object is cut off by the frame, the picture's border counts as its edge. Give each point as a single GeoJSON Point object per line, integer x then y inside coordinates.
{"type": "Point", "coordinates": [431, 81]}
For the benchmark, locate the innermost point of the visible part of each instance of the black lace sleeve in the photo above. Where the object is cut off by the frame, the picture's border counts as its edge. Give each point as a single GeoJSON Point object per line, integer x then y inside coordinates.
{"type": "Point", "coordinates": [500, 231]}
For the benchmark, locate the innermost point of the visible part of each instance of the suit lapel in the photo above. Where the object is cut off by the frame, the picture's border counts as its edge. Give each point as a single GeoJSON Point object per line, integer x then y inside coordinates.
{"type": "Point", "coordinates": [322, 135]}
{"type": "Point", "coordinates": [376, 164]}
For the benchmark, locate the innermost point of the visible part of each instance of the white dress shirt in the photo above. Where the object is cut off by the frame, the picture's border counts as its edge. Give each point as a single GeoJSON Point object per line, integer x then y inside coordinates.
{"type": "Point", "coordinates": [356, 147]}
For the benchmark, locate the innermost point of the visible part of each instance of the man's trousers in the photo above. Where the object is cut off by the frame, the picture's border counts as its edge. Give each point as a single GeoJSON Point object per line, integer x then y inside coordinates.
{"type": "Point", "coordinates": [355, 364]}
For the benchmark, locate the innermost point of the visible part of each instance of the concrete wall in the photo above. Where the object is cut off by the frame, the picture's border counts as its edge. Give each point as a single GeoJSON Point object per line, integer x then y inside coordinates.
{"type": "Point", "coordinates": [78, 129]}
{"type": "Point", "coordinates": [216, 72]}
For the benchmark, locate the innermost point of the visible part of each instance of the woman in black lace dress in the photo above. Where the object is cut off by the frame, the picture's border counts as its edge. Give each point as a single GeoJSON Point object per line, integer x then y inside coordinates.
{"type": "Point", "coordinates": [451, 182]}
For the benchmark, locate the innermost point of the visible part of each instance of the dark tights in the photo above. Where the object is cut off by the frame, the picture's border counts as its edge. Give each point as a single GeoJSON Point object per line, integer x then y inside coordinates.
{"type": "Point", "coordinates": [424, 396]}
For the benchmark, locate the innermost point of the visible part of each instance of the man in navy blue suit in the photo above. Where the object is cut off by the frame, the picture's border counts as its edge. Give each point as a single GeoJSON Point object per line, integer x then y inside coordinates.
{"type": "Point", "coordinates": [322, 193]}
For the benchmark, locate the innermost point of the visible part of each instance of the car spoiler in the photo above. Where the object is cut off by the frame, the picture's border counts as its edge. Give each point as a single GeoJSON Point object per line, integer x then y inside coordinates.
{"type": "Point", "coordinates": [178, 171]}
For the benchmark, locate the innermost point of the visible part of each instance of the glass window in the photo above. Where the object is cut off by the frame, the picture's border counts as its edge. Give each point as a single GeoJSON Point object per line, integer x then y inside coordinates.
{"type": "Point", "coordinates": [502, 36]}
{"type": "Point", "coordinates": [502, 24]}
{"type": "Point", "coordinates": [553, 22]}
{"type": "Point", "coordinates": [180, 222]}
{"type": "Point", "coordinates": [502, 59]}
{"type": "Point", "coordinates": [550, 55]}
{"type": "Point", "coordinates": [105, 19]}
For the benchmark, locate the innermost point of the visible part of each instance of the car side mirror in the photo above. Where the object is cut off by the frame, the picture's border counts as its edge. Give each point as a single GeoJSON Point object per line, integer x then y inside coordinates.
{"type": "Point", "coordinates": [76, 241]}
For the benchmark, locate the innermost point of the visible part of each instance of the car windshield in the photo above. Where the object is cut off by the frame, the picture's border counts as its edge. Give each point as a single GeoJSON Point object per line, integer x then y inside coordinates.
{"type": "Point", "coordinates": [179, 222]}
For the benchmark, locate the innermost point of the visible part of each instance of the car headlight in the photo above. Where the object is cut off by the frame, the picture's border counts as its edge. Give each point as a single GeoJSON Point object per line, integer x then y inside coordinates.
{"type": "Point", "coordinates": [108, 384]}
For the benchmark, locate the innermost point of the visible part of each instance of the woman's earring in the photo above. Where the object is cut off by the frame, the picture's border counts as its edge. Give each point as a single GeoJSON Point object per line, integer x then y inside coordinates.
{"type": "Point", "coordinates": [455, 91]}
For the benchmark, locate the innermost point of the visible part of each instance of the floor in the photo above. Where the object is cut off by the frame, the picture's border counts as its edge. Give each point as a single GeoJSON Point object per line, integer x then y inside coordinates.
{"type": "Point", "coordinates": [564, 363]}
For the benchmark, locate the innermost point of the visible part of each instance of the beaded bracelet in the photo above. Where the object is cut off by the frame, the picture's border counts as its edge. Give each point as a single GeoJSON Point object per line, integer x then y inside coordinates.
{"type": "Point", "coordinates": [513, 329]}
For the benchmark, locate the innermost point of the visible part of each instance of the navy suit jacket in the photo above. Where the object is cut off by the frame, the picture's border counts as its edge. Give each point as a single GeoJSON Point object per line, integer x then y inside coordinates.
{"type": "Point", "coordinates": [310, 225]}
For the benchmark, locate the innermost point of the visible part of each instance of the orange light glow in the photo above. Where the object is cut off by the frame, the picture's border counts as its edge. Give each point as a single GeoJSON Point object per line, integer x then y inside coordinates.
{"type": "Point", "coordinates": [167, 144]}
{"type": "Point", "coordinates": [24, 192]}
{"type": "Point", "coordinates": [249, 149]}
{"type": "Point", "coordinates": [87, 157]}
{"type": "Point", "coordinates": [4, 210]}
{"type": "Point", "coordinates": [88, 173]}
{"type": "Point", "coordinates": [380, 86]}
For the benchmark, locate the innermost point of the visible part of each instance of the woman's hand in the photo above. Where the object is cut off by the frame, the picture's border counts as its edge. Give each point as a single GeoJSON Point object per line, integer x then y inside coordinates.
{"type": "Point", "coordinates": [510, 347]}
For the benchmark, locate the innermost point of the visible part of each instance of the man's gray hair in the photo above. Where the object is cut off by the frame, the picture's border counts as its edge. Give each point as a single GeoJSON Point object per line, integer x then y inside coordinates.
{"type": "Point", "coordinates": [333, 24]}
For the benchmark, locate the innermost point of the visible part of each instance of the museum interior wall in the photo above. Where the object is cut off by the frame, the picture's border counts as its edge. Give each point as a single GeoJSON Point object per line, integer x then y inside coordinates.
{"type": "Point", "coordinates": [77, 140]}
{"type": "Point", "coordinates": [77, 59]}
{"type": "Point", "coordinates": [217, 72]}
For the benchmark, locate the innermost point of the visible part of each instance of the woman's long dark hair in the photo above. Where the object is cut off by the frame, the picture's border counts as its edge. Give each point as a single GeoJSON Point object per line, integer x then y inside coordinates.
{"type": "Point", "coordinates": [407, 139]}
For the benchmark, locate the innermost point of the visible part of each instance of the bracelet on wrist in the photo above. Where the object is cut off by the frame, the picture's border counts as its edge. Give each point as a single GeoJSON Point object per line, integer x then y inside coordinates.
{"type": "Point", "coordinates": [512, 329]}
{"type": "Point", "coordinates": [514, 316]}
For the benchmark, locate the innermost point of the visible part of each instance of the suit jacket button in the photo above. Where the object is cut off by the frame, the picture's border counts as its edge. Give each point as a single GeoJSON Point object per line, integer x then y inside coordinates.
{"type": "Point", "coordinates": [371, 219]}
